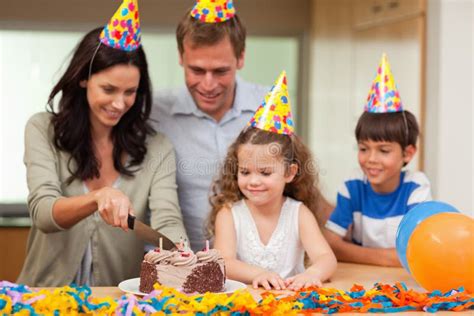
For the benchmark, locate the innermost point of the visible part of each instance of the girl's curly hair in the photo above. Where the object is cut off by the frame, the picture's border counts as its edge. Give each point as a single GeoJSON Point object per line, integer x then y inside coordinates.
{"type": "Point", "coordinates": [304, 187]}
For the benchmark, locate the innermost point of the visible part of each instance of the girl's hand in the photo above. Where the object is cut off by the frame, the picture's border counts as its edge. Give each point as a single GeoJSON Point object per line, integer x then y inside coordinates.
{"type": "Point", "coordinates": [268, 280]}
{"type": "Point", "coordinates": [303, 280]}
{"type": "Point", "coordinates": [113, 207]}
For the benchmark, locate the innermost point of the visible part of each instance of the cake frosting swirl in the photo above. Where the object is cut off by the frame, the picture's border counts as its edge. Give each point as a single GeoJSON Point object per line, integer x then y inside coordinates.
{"type": "Point", "coordinates": [208, 256]}
{"type": "Point", "coordinates": [158, 256]}
{"type": "Point", "coordinates": [183, 259]}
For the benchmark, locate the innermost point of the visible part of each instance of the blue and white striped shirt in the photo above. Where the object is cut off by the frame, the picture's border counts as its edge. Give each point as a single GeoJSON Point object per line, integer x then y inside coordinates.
{"type": "Point", "coordinates": [375, 217]}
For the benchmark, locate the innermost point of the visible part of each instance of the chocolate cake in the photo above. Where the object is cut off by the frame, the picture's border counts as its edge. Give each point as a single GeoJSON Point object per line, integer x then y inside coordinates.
{"type": "Point", "coordinates": [201, 272]}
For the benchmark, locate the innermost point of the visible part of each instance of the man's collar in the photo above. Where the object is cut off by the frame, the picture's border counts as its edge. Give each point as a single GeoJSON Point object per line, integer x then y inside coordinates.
{"type": "Point", "coordinates": [242, 100]}
{"type": "Point", "coordinates": [184, 103]}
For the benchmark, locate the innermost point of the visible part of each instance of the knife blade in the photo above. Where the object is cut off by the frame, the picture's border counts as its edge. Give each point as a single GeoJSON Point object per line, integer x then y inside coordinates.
{"type": "Point", "coordinates": [146, 233]}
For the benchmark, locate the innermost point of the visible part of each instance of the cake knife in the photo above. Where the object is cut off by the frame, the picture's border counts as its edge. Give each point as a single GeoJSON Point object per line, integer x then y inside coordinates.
{"type": "Point", "coordinates": [146, 233]}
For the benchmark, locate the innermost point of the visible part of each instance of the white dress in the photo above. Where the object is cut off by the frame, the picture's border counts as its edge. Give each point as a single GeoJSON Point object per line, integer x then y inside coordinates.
{"type": "Point", "coordinates": [284, 253]}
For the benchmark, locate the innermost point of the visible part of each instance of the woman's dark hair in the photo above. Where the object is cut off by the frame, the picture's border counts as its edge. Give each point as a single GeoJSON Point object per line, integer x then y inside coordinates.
{"type": "Point", "coordinates": [72, 129]}
{"type": "Point", "coordinates": [399, 127]}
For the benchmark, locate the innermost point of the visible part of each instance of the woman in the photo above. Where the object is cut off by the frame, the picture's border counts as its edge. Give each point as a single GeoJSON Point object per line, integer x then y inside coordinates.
{"type": "Point", "coordinates": [92, 162]}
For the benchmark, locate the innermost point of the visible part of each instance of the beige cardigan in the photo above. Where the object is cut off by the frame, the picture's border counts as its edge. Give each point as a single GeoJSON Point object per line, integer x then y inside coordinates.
{"type": "Point", "coordinates": [54, 254]}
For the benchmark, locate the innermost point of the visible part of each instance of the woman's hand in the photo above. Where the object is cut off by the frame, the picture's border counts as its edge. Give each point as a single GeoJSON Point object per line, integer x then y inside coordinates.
{"type": "Point", "coordinates": [113, 207]}
{"type": "Point", "coordinates": [303, 280]}
{"type": "Point", "coordinates": [268, 280]}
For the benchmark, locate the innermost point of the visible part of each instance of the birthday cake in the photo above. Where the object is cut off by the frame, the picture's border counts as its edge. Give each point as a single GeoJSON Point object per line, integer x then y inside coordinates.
{"type": "Point", "coordinates": [187, 271]}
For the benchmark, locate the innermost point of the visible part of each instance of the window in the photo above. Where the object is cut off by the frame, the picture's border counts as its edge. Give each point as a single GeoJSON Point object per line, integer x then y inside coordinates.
{"type": "Point", "coordinates": [31, 62]}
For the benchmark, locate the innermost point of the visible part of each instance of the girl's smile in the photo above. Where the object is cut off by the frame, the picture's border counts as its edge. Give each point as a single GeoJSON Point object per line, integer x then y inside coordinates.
{"type": "Point", "coordinates": [262, 175]}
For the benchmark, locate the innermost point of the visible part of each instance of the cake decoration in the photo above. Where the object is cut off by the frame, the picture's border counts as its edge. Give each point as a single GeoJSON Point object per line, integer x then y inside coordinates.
{"type": "Point", "coordinates": [184, 270]}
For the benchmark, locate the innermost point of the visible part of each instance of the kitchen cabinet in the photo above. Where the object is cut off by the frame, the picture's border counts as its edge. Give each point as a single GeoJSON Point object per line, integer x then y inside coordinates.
{"type": "Point", "coordinates": [12, 251]}
{"type": "Point", "coordinates": [369, 12]}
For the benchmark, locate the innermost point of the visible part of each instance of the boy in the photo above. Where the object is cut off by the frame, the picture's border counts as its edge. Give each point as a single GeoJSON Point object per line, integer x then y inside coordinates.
{"type": "Point", "coordinates": [370, 206]}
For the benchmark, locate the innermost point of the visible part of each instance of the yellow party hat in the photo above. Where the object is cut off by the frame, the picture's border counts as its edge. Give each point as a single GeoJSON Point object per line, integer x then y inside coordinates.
{"type": "Point", "coordinates": [274, 114]}
{"type": "Point", "coordinates": [213, 11]}
{"type": "Point", "coordinates": [123, 30]}
{"type": "Point", "coordinates": [383, 96]}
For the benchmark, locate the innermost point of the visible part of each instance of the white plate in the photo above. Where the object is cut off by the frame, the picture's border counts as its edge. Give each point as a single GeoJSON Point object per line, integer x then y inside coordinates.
{"type": "Point", "coordinates": [132, 286]}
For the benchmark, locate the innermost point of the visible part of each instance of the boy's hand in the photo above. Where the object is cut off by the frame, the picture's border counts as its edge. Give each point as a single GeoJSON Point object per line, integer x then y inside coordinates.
{"type": "Point", "coordinates": [389, 258]}
{"type": "Point", "coordinates": [303, 280]}
{"type": "Point", "coordinates": [268, 280]}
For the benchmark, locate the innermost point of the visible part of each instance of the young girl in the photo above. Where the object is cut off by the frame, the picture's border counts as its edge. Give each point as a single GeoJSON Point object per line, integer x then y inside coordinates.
{"type": "Point", "coordinates": [263, 207]}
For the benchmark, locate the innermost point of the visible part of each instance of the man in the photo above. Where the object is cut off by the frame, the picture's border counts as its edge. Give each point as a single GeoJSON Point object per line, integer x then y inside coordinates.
{"type": "Point", "coordinates": [206, 115]}
{"type": "Point", "coordinates": [203, 118]}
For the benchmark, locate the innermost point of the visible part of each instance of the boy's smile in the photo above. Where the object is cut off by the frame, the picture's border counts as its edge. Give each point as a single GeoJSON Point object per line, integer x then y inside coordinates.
{"type": "Point", "coordinates": [374, 171]}
{"type": "Point", "coordinates": [382, 163]}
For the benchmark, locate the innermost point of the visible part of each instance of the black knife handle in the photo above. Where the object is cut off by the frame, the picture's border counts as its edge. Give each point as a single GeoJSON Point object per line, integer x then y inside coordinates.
{"type": "Point", "coordinates": [131, 221]}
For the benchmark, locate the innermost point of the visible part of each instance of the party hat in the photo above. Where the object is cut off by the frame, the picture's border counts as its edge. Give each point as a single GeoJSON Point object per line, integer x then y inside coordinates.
{"type": "Point", "coordinates": [274, 114]}
{"type": "Point", "coordinates": [213, 11]}
{"type": "Point", "coordinates": [123, 31]}
{"type": "Point", "coordinates": [383, 96]}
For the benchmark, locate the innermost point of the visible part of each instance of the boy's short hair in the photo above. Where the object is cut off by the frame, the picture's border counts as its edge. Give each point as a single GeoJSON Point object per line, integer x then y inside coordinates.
{"type": "Point", "coordinates": [390, 127]}
{"type": "Point", "coordinates": [206, 34]}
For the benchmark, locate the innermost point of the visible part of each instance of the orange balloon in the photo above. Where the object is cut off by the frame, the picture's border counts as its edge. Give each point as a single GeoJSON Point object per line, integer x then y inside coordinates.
{"type": "Point", "coordinates": [440, 252]}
